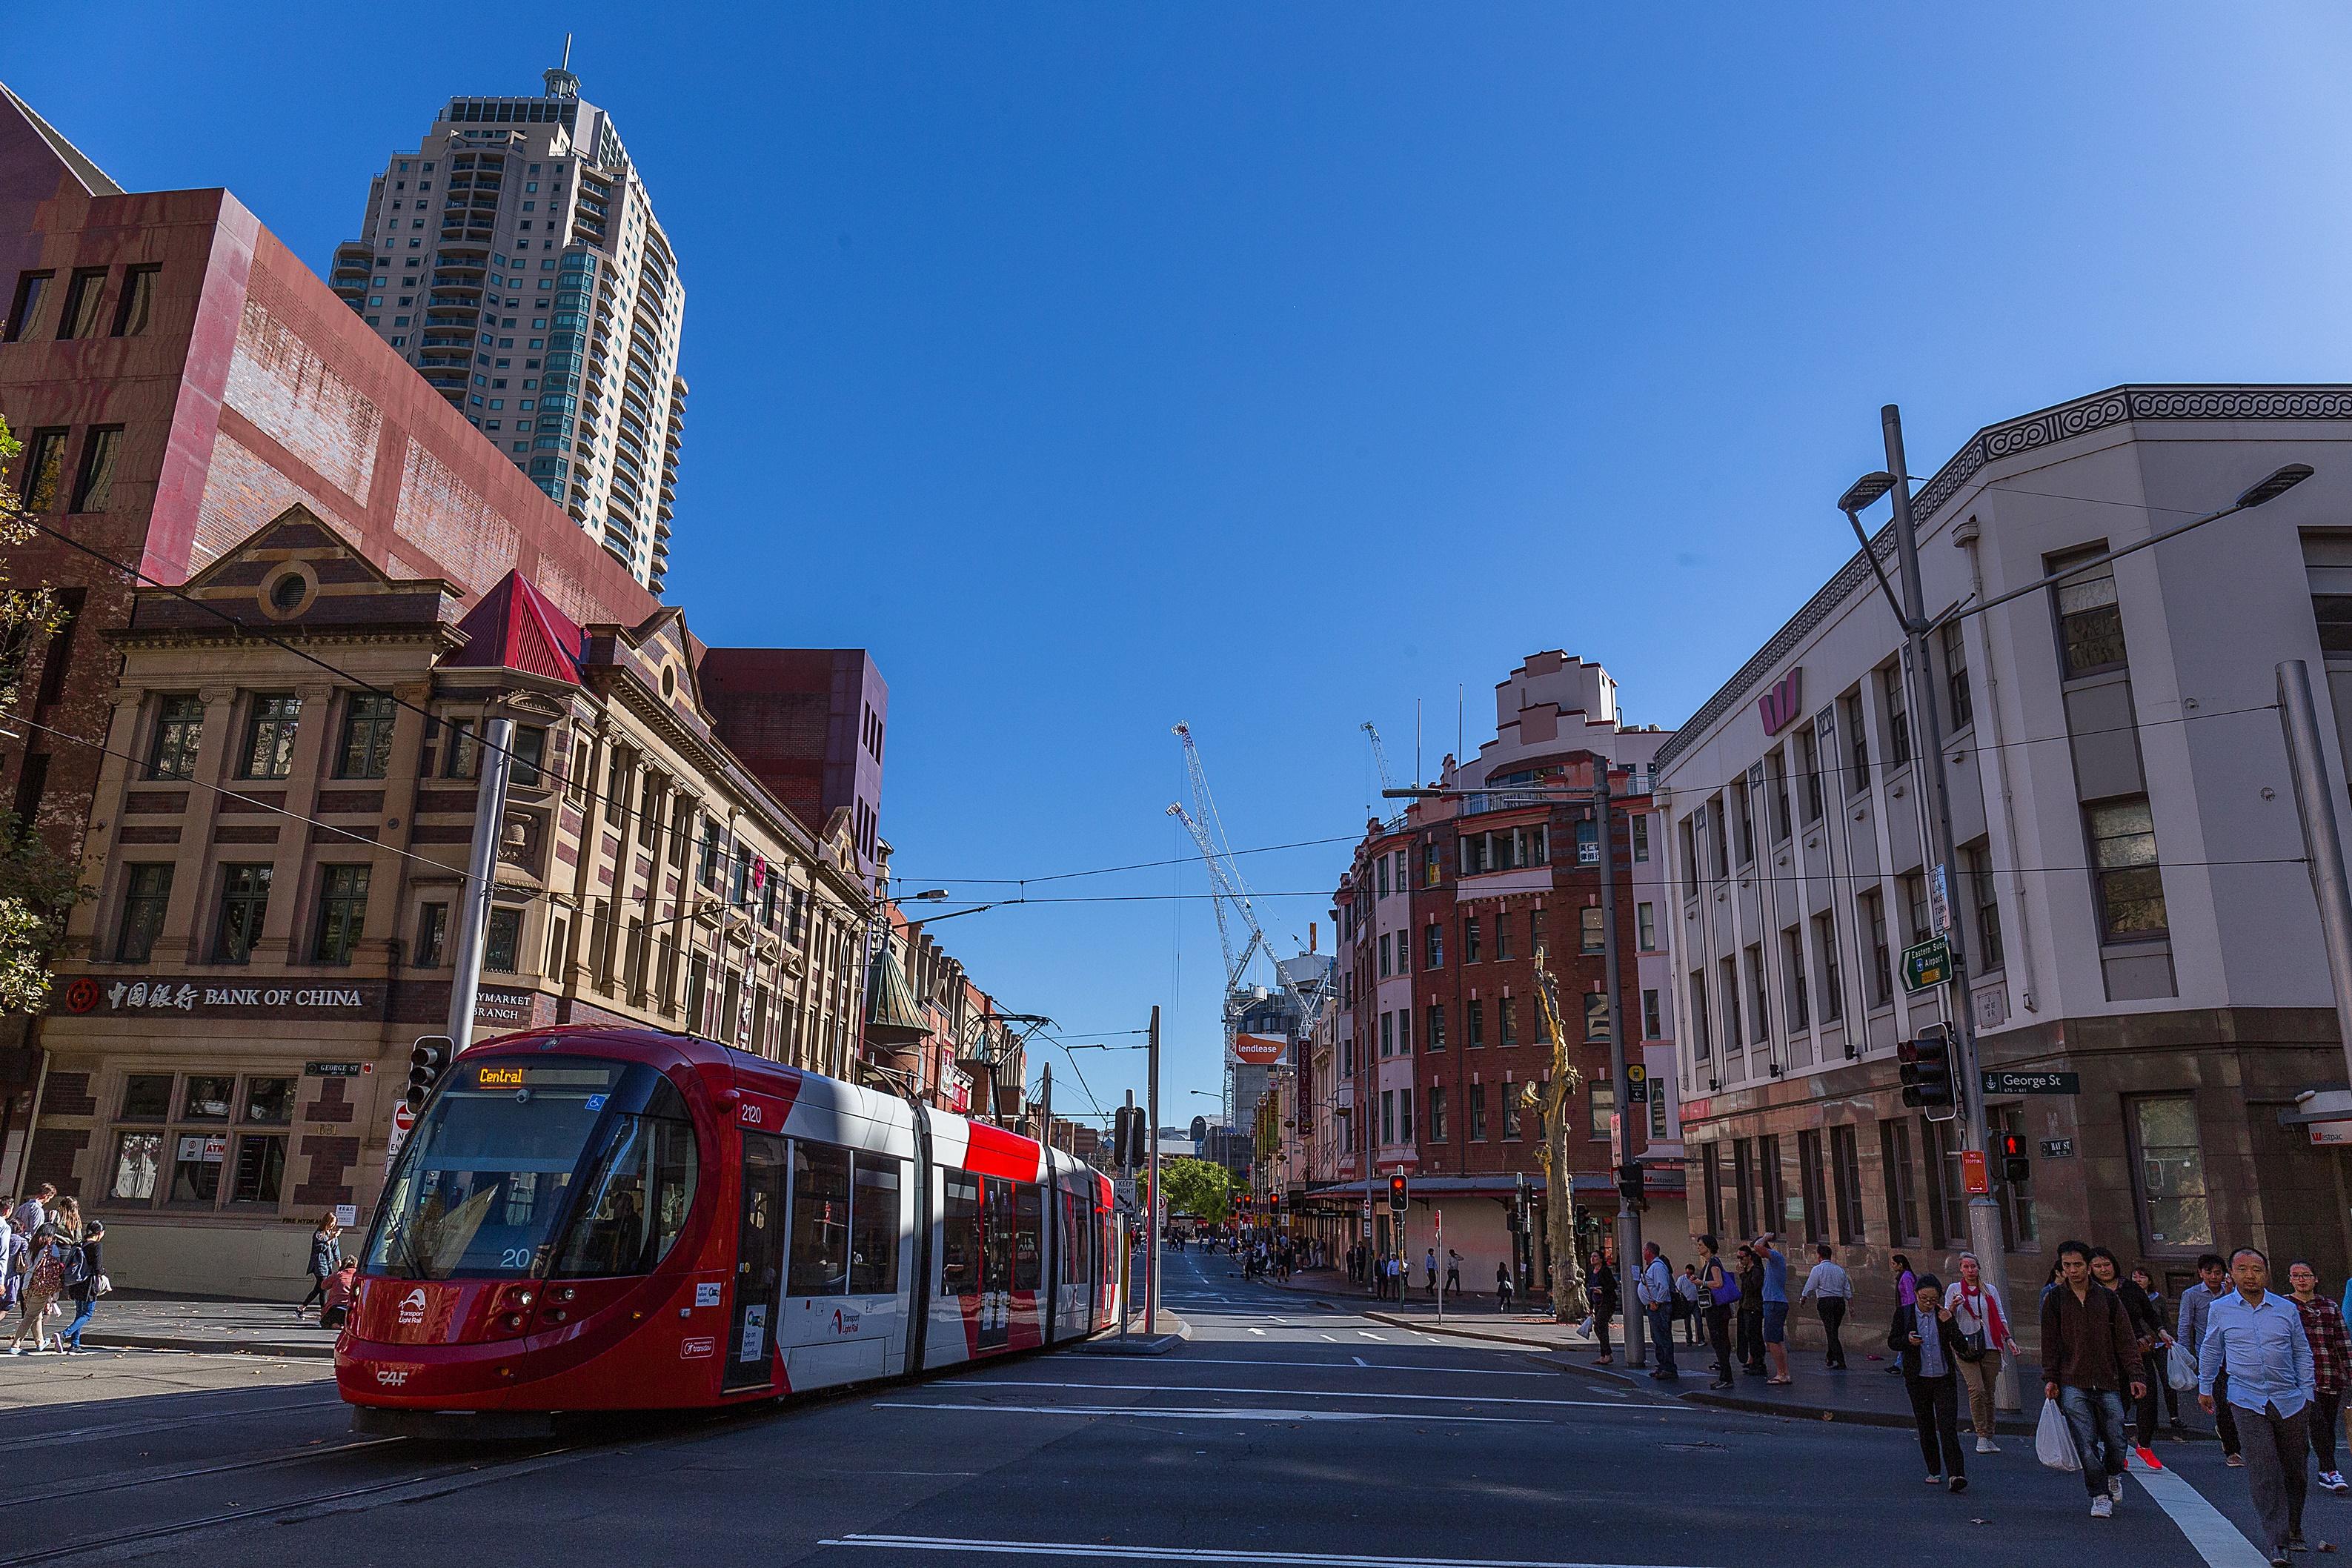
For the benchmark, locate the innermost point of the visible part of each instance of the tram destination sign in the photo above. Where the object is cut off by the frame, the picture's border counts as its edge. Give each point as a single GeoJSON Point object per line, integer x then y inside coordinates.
{"type": "Point", "coordinates": [2032, 1082]}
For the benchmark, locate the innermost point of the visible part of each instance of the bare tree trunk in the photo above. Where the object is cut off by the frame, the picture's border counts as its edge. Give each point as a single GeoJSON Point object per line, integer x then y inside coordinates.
{"type": "Point", "coordinates": [1568, 1300]}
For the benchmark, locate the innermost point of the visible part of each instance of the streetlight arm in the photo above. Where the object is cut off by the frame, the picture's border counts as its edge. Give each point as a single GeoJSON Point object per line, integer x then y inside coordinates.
{"type": "Point", "coordinates": [1960, 613]}
{"type": "Point", "coordinates": [1877, 570]}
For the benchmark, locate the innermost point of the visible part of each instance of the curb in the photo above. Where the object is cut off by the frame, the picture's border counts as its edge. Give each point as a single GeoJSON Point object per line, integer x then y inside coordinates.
{"type": "Point", "coordinates": [117, 1342]}
{"type": "Point", "coordinates": [1430, 1326]}
{"type": "Point", "coordinates": [1137, 1344]}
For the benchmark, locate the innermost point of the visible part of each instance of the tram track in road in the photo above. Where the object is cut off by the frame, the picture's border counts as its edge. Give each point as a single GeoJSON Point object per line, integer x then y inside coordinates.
{"type": "Point", "coordinates": [165, 1474]}
{"type": "Point", "coordinates": [142, 1426]}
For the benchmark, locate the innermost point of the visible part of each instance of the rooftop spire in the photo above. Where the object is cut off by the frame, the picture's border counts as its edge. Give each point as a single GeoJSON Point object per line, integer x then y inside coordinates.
{"type": "Point", "coordinates": [561, 82]}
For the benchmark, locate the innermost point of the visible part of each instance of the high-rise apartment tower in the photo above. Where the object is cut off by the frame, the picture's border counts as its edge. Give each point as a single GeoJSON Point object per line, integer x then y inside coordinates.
{"type": "Point", "coordinates": [513, 258]}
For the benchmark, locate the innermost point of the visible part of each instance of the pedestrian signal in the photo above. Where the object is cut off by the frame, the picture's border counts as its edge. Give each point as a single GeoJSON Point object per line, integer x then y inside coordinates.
{"type": "Point", "coordinates": [2016, 1168]}
{"type": "Point", "coordinates": [1927, 1064]}
{"type": "Point", "coordinates": [1628, 1181]}
{"type": "Point", "coordinates": [427, 1062]}
{"type": "Point", "coordinates": [1399, 1197]}
{"type": "Point", "coordinates": [1127, 1146]}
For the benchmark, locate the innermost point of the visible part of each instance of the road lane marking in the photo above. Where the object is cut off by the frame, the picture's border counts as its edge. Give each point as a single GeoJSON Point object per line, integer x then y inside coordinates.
{"type": "Point", "coordinates": [1193, 1554]}
{"type": "Point", "coordinates": [1368, 1334]}
{"type": "Point", "coordinates": [1305, 1392]}
{"type": "Point", "coordinates": [1188, 1359]}
{"type": "Point", "coordinates": [2208, 1530]}
{"type": "Point", "coordinates": [1212, 1413]}
{"type": "Point", "coordinates": [1257, 1331]}
{"type": "Point", "coordinates": [1334, 1338]}
{"type": "Point", "coordinates": [1360, 1361]}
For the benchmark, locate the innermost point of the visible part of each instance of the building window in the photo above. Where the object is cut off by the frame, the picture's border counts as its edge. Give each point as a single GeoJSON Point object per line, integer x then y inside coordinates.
{"type": "Point", "coordinates": [1690, 857]}
{"type": "Point", "coordinates": [1776, 779]}
{"type": "Point", "coordinates": [1591, 937]}
{"type": "Point", "coordinates": [1711, 1175]}
{"type": "Point", "coordinates": [1433, 941]}
{"type": "Point", "coordinates": [179, 732]}
{"type": "Point", "coordinates": [1652, 1024]}
{"type": "Point", "coordinates": [1596, 1014]}
{"type": "Point", "coordinates": [1902, 1194]}
{"type": "Point", "coordinates": [146, 894]}
{"type": "Point", "coordinates": [1473, 1032]}
{"type": "Point", "coordinates": [502, 942]}
{"type": "Point", "coordinates": [1510, 1098]}
{"type": "Point", "coordinates": [1508, 1011]}
{"type": "Point", "coordinates": [1702, 1045]}
{"type": "Point", "coordinates": [1986, 895]}
{"type": "Point", "coordinates": [2172, 1172]}
{"type": "Point", "coordinates": [1502, 936]}
{"type": "Point", "coordinates": [1433, 1035]}
{"type": "Point", "coordinates": [1384, 955]}
{"type": "Point", "coordinates": [1811, 749]}
{"type": "Point", "coordinates": [1743, 815]}
{"type": "Point", "coordinates": [138, 1157]}
{"type": "Point", "coordinates": [1955, 675]}
{"type": "Point", "coordinates": [94, 480]}
{"type": "Point", "coordinates": [1470, 941]}
{"type": "Point", "coordinates": [1743, 1184]}
{"type": "Point", "coordinates": [1915, 903]}
{"type": "Point", "coordinates": [1380, 879]}
{"type": "Point", "coordinates": [1388, 1116]}
{"type": "Point", "coordinates": [1405, 1116]}
{"type": "Point", "coordinates": [1772, 1185]}
{"type": "Point", "coordinates": [1811, 1188]}
{"type": "Point", "coordinates": [2090, 619]}
{"type": "Point", "coordinates": [527, 758]}
{"type": "Point", "coordinates": [2124, 869]}
{"type": "Point", "coordinates": [245, 903]}
{"type": "Point", "coordinates": [1638, 825]}
{"type": "Point", "coordinates": [1658, 1091]}
{"type": "Point", "coordinates": [1602, 1101]}
{"type": "Point", "coordinates": [1857, 778]}
{"type": "Point", "coordinates": [431, 935]}
{"type": "Point", "coordinates": [1825, 954]}
{"type": "Point", "coordinates": [1478, 1113]}
{"type": "Point", "coordinates": [1898, 718]}
{"type": "Point", "coordinates": [83, 290]}
{"type": "Point", "coordinates": [464, 758]}
{"type": "Point", "coordinates": [1646, 927]}
{"type": "Point", "coordinates": [1734, 1037]}
{"type": "Point", "coordinates": [343, 912]}
{"type": "Point", "coordinates": [269, 737]}
{"type": "Point", "coordinates": [1948, 1199]}
{"type": "Point", "coordinates": [1760, 1021]}
{"type": "Point", "coordinates": [1872, 907]}
{"type": "Point", "coordinates": [137, 308]}
{"type": "Point", "coordinates": [1792, 981]}
{"type": "Point", "coordinates": [45, 468]}
{"type": "Point", "coordinates": [32, 288]}
{"type": "Point", "coordinates": [366, 750]}
{"type": "Point", "coordinates": [1388, 1035]}
{"type": "Point", "coordinates": [1437, 1114]}
{"type": "Point", "coordinates": [1845, 1181]}
{"type": "Point", "coordinates": [1713, 811]}
{"type": "Point", "coordinates": [2016, 1197]}
{"type": "Point", "coordinates": [1430, 872]}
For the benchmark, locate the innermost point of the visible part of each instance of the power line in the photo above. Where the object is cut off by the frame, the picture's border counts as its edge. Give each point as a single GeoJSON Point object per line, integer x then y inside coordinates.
{"type": "Point", "coordinates": [1137, 866]}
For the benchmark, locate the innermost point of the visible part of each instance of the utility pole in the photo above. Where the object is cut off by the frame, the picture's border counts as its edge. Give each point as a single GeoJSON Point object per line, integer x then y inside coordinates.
{"type": "Point", "coordinates": [1926, 709]}
{"type": "Point", "coordinates": [1152, 1186]}
{"type": "Point", "coordinates": [1629, 1209]}
{"type": "Point", "coordinates": [1123, 1156]}
{"type": "Point", "coordinates": [2323, 844]}
{"type": "Point", "coordinates": [1364, 1057]}
{"type": "Point", "coordinates": [497, 752]}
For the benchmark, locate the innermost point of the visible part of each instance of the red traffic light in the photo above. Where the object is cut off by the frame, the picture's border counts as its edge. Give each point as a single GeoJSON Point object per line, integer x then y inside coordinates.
{"type": "Point", "coordinates": [1399, 1196]}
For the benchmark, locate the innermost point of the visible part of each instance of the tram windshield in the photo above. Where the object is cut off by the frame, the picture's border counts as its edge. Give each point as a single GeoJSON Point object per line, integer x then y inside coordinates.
{"type": "Point", "coordinates": [494, 1168]}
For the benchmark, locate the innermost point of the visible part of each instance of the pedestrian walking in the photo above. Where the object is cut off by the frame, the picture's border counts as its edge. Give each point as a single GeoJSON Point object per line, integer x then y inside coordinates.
{"type": "Point", "coordinates": [1452, 1272]}
{"type": "Point", "coordinates": [2163, 1314]}
{"type": "Point", "coordinates": [1927, 1346]}
{"type": "Point", "coordinates": [2256, 1337]}
{"type": "Point", "coordinates": [326, 1252]}
{"type": "Point", "coordinates": [43, 1282]}
{"type": "Point", "coordinates": [2148, 1330]}
{"type": "Point", "coordinates": [86, 1281]}
{"type": "Point", "coordinates": [1831, 1289]}
{"type": "Point", "coordinates": [1752, 1309]}
{"type": "Point", "coordinates": [34, 1211]}
{"type": "Point", "coordinates": [1985, 1337]}
{"type": "Point", "coordinates": [1502, 1287]}
{"type": "Point", "coordinates": [2331, 1357]}
{"type": "Point", "coordinates": [1906, 1287]}
{"type": "Point", "coordinates": [1656, 1293]}
{"type": "Point", "coordinates": [1776, 1310]}
{"type": "Point", "coordinates": [2089, 1357]}
{"type": "Point", "coordinates": [12, 1258]}
{"type": "Point", "coordinates": [1686, 1303]}
{"type": "Point", "coordinates": [1722, 1294]}
{"type": "Point", "coordinates": [1429, 1267]}
{"type": "Point", "coordinates": [1601, 1289]}
{"type": "Point", "coordinates": [2196, 1304]}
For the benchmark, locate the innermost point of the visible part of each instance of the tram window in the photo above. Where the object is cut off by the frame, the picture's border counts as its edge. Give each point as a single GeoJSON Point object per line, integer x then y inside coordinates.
{"type": "Point", "coordinates": [1073, 1241]}
{"type": "Point", "coordinates": [960, 1239]}
{"type": "Point", "coordinates": [874, 1227]}
{"type": "Point", "coordinates": [820, 1265]}
{"type": "Point", "coordinates": [637, 1195]}
{"type": "Point", "coordinates": [1028, 1233]}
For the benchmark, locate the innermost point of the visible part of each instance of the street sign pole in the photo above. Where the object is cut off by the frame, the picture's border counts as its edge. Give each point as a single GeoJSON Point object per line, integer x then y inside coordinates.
{"type": "Point", "coordinates": [1151, 1184]}
{"type": "Point", "coordinates": [1438, 1248]}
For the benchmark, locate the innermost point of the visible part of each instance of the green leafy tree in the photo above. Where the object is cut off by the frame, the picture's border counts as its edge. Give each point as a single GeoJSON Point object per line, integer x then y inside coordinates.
{"type": "Point", "coordinates": [1197, 1188]}
{"type": "Point", "coordinates": [36, 888]}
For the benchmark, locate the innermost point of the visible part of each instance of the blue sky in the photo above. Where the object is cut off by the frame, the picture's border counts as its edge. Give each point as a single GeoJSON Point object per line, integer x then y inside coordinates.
{"type": "Point", "coordinates": [1270, 368]}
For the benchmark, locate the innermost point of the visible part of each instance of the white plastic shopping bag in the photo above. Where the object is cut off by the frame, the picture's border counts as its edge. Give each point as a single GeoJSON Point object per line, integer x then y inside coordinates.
{"type": "Point", "coordinates": [2053, 1441]}
{"type": "Point", "coordinates": [2180, 1368]}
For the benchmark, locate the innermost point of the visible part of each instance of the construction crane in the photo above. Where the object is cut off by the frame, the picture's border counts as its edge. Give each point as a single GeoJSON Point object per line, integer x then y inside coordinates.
{"type": "Point", "coordinates": [1230, 898]}
{"type": "Point", "coordinates": [1380, 756]}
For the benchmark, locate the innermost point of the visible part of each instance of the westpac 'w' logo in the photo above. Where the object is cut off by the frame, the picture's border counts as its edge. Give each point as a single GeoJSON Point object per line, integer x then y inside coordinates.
{"type": "Point", "coordinates": [1780, 705]}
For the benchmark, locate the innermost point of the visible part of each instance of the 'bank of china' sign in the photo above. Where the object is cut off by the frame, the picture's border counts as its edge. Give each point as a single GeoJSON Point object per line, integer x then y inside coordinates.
{"type": "Point", "coordinates": [87, 995]}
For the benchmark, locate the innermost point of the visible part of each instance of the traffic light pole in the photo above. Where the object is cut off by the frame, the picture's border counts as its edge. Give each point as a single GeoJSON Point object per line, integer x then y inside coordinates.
{"type": "Point", "coordinates": [1151, 1184]}
{"type": "Point", "coordinates": [1984, 1215]}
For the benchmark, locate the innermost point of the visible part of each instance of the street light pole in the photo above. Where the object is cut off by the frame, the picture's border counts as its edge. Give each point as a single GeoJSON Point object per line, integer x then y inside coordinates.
{"type": "Point", "coordinates": [1984, 1217]}
{"type": "Point", "coordinates": [1151, 1186]}
{"type": "Point", "coordinates": [1628, 1213]}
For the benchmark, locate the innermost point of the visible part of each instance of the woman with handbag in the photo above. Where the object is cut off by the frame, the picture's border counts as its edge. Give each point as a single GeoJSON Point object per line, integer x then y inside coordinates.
{"type": "Point", "coordinates": [1600, 1290]}
{"type": "Point", "coordinates": [1983, 1323]}
{"type": "Point", "coordinates": [1926, 1345]}
{"type": "Point", "coordinates": [2148, 1331]}
{"type": "Point", "coordinates": [84, 1293]}
{"type": "Point", "coordinates": [1720, 1290]}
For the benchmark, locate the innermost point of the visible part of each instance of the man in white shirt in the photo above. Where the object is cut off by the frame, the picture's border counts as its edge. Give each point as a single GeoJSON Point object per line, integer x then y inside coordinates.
{"type": "Point", "coordinates": [1655, 1291]}
{"type": "Point", "coordinates": [1831, 1289]}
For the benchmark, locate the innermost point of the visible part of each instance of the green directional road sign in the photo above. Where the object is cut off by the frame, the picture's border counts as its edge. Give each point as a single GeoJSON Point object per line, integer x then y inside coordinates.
{"type": "Point", "coordinates": [1928, 965]}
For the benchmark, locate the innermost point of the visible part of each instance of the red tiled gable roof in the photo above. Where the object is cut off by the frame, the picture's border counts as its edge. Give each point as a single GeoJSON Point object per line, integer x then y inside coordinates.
{"type": "Point", "coordinates": [516, 627]}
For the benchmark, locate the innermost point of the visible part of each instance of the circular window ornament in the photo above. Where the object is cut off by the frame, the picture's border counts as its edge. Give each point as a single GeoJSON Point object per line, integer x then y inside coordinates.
{"type": "Point", "coordinates": [288, 591]}
{"type": "Point", "coordinates": [669, 680]}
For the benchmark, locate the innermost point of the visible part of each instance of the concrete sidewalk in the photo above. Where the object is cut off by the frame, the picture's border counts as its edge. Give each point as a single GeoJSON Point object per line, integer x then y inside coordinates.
{"type": "Point", "coordinates": [139, 1319]}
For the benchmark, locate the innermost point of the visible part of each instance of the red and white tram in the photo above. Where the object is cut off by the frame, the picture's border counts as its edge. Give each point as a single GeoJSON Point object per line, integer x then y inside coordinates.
{"type": "Point", "coordinates": [615, 1219]}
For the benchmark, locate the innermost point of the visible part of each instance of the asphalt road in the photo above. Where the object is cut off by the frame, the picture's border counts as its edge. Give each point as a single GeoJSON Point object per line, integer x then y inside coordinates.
{"type": "Point", "coordinates": [1283, 1433]}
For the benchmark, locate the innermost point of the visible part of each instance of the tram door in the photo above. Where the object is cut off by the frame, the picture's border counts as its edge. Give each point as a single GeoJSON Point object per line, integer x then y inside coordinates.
{"type": "Point", "coordinates": [759, 1263]}
{"type": "Point", "coordinates": [996, 1231]}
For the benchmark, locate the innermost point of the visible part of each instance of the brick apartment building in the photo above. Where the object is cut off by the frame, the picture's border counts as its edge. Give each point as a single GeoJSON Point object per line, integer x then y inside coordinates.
{"type": "Point", "coordinates": [1438, 1029]}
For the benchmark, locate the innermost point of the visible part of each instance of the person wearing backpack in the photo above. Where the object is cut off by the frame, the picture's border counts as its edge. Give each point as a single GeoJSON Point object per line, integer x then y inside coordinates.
{"type": "Point", "coordinates": [85, 1291]}
{"type": "Point", "coordinates": [1722, 1293]}
{"type": "Point", "coordinates": [42, 1283]}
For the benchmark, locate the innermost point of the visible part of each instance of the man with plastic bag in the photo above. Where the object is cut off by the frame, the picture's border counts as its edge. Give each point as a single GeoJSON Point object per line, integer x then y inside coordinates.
{"type": "Point", "coordinates": [2089, 1356]}
{"type": "Point", "coordinates": [2212, 1285]}
{"type": "Point", "coordinates": [2256, 1340]}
